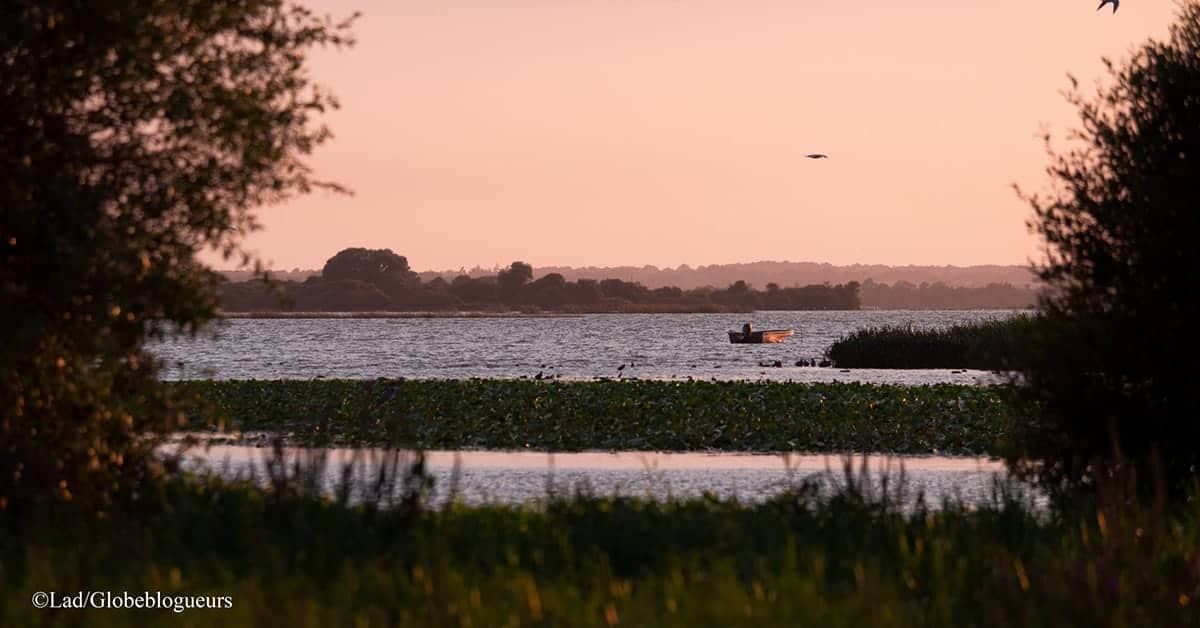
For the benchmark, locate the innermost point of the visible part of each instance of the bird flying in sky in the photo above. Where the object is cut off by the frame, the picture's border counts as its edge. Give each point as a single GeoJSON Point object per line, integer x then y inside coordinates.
{"type": "Point", "coordinates": [1115, 3]}
{"type": "Point", "coordinates": [817, 156]}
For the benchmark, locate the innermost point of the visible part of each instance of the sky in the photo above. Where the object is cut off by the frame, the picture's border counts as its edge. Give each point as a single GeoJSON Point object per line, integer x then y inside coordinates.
{"type": "Point", "coordinates": [667, 132]}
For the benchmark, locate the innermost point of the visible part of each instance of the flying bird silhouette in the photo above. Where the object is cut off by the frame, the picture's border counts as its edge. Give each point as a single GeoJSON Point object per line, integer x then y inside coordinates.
{"type": "Point", "coordinates": [1115, 3]}
{"type": "Point", "coordinates": [820, 155]}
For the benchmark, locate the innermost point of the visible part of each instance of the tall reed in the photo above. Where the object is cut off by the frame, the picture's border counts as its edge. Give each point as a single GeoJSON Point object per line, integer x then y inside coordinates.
{"type": "Point", "coordinates": [997, 345]}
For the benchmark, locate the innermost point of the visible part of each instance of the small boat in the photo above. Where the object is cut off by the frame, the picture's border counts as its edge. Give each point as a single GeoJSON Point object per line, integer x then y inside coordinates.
{"type": "Point", "coordinates": [755, 337]}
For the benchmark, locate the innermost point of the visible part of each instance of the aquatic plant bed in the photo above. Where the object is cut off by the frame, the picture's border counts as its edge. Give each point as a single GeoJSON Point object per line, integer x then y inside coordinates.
{"type": "Point", "coordinates": [283, 557]}
{"type": "Point", "coordinates": [998, 345]}
{"type": "Point", "coordinates": [628, 415]}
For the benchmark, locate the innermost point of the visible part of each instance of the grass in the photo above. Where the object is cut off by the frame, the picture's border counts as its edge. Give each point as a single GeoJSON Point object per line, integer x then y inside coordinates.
{"type": "Point", "coordinates": [992, 345]}
{"type": "Point", "coordinates": [288, 556]}
{"type": "Point", "coordinates": [629, 415]}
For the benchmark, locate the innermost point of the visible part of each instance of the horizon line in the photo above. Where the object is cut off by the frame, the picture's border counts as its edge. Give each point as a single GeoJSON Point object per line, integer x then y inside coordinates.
{"type": "Point", "coordinates": [1026, 265]}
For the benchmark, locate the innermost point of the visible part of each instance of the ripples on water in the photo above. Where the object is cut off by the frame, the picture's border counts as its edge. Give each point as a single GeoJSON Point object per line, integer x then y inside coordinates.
{"type": "Point", "coordinates": [477, 477]}
{"type": "Point", "coordinates": [652, 346]}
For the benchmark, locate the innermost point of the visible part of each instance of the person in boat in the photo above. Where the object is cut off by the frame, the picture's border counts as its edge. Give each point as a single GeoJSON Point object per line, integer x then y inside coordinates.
{"type": "Point", "coordinates": [746, 331]}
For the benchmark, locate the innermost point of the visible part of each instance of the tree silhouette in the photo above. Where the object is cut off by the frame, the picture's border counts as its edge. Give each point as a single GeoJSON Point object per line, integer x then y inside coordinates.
{"type": "Point", "coordinates": [513, 278]}
{"type": "Point", "coordinates": [380, 267]}
{"type": "Point", "coordinates": [1121, 225]}
{"type": "Point", "coordinates": [549, 291]}
{"type": "Point", "coordinates": [133, 134]}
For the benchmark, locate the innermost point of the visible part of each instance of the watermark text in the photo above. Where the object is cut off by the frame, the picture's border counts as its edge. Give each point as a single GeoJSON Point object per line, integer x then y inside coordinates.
{"type": "Point", "coordinates": [140, 600]}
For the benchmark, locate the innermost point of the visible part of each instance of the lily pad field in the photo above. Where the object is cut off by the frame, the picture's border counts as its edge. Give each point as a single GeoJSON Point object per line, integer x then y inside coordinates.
{"type": "Point", "coordinates": [630, 415]}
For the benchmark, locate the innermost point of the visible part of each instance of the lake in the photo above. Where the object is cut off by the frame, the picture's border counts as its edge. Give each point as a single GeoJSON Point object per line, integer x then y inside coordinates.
{"type": "Point", "coordinates": [658, 346]}
{"type": "Point", "coordinates": [515, 477]}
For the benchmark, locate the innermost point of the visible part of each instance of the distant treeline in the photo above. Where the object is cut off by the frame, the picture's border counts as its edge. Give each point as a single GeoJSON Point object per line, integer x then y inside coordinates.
{"type": "Point", "coordinates": [360, 279]}
{"type": "Point", "coordinates": [903, 295]}
{"type": "Point", "coordinates": [909, 287]}
{"type": "Point", "coordinates": [753, 273]}
{"type": "Point", "coordinates": [782, 273]}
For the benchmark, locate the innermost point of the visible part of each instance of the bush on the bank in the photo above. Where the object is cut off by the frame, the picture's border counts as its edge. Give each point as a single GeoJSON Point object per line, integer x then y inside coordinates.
{"type": "Point", "coordinates": [1110, 374]}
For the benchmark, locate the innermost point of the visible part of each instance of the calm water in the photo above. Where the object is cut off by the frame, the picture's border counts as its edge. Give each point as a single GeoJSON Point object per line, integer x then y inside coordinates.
{"type": "Point", "coordinates": [524, 477]}
{"type": "Point", "coordinates": [650, 345]}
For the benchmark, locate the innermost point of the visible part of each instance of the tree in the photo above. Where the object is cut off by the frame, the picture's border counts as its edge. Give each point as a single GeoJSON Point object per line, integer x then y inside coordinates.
{"type": "Point", "coordinates": [513, 278]}
{"type": "Point", "coordinates": [738, 294]}
{"type": "Point", "coordinates": [625, 290]}
{"type": "Point", "coordinates": [584, 292]}
{"type": "Point", "coordinates": [481, 291]}
{"type": "Point", "coordinates": [134, 134]}
{"type": "Point", "coordinates": [341, 295]}
{"type": "Point", "coordinates": [1120, 226]}
{"type": "Point", "coordinates": [549, 291]}
{"type": "Point", "coordinates": [381, 267]}
{"type": "Point", "coordinates": [849, 298]}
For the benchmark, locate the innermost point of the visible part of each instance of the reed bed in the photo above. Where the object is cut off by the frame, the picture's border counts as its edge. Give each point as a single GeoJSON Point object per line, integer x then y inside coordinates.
{"type": "Point", "coordinates": [286, 554]}
{"type": "Point", "coordinates": [992, 345]}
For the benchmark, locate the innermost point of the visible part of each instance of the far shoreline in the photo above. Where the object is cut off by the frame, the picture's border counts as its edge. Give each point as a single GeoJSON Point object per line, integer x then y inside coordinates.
{"type": "Point", "coordinates": [518, 314]}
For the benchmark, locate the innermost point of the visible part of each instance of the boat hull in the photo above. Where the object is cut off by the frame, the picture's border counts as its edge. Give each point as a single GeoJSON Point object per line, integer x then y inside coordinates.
{"type": "Point", "coordinates": [759, 337]}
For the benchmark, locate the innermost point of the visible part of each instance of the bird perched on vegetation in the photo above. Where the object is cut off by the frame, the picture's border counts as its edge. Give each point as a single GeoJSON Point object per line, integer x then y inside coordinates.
{"type": "Point", "coordinates": [1115, 3]}
{"type": "Point", "coordinates": [817, 156]}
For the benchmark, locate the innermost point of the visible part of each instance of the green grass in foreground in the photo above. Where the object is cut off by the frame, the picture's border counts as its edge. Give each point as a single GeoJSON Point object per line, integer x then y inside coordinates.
{"type": "Point", "coordinates": [288, 558]}
{"type": "Point", "coordinates": [992, 346]}
{"type": "Point", "coordinates": [637, 415]}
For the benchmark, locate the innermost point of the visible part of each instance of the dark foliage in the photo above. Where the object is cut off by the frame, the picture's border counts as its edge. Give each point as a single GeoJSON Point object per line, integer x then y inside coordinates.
{"type": "Point", "coordinates": [288, 555]}
{"type": "Point", "coordinates": [379, 280]}
{"type": "Point", "coordinates": [512, 279]}
{"type": "Point", "coordinates": [132, 135]}
{"type": "Point", "coordinates": [1121, 225]}
{"type": "Point", "coordinates": [938, 295]}
{"type": "Point", "coordinates": [379, 267]}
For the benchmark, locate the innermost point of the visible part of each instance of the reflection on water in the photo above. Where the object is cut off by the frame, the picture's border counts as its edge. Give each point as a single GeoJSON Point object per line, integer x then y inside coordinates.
{"type": "Point", "coordinates": [584, 347]}
{"type": "Point", "coordinates": [524, 477]}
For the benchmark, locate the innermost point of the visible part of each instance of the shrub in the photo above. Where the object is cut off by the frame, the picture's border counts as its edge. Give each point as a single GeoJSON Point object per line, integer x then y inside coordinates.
{"type": "Point", "coordinates": [126, 149]}
{"type": "Point", "coordinates": [1120, 226]}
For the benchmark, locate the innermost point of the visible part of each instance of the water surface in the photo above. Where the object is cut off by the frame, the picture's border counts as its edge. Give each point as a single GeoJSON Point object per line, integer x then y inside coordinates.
{"type": "Point", "coordinates": [658, 346]}
{"type": "Point", "coordinates": [524, 477]}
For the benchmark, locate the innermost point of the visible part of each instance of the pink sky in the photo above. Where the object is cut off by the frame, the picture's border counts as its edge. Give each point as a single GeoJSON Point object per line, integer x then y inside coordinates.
{"type": "Point", "coordinates": [605, 132]}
